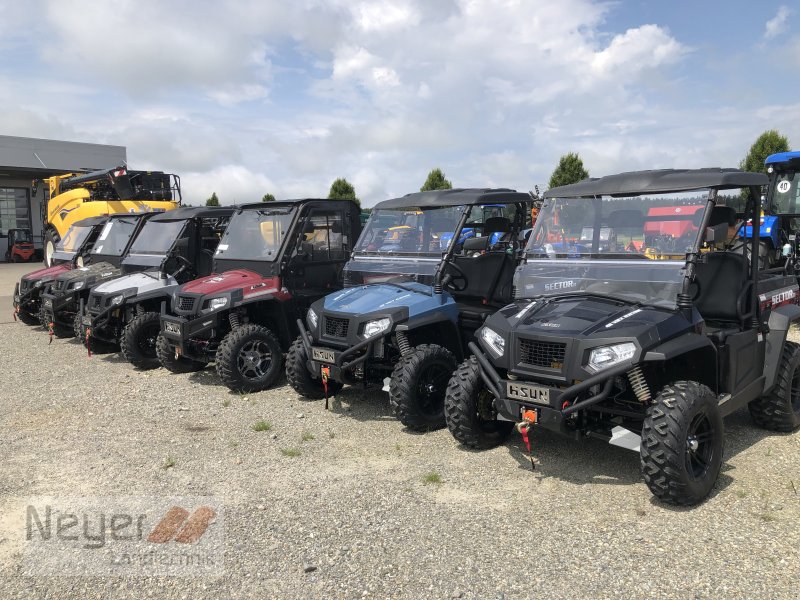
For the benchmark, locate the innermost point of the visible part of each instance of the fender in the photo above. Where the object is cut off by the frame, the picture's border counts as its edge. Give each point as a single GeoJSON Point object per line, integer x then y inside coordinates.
{"type": "Point", "coordinates": [678, 346]}
{"type": "Point", "coordinates": [453, 339]}
{"type": "Point", "coordinates": [683, 345]}
{"type": "Point", "coordinates": [780, 320]}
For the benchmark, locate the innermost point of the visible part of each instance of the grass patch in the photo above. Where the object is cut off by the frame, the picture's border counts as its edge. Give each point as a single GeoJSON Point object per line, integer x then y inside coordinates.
{"type": "Point", "coordinates": [290, 452]}
{"type": "Point", "coordinates": [226, 403]}
{"type": "Point", "coordinates": [331, 435]}
{"type": "Point", "coordinates": [234, 443]}
{"type": "Point", "coordinates": [767, 517]}
{"type": "Point", "coordinates": [307, 436]}
{"type": "Point", "coordinates": [262, 426]}
{"type": "Point", "coordinates": [432, 478]}
{"type": "Point", "coordinates": [741, 493]}
{"type": "Point", "coordinates": [169, 462]}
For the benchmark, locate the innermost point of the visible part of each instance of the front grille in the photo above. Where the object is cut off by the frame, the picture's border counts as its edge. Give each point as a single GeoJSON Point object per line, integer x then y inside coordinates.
{"type": "Point", "coordinates": [59, 285]}
{"type": "Point", "coordinates": [23, 285]}
{"type": "Point", "coordinates": [95, 301]}
{"type": "Point", "coordinates": [185, 303]}
{"type": "Point", "coordinates": [336, 327]}
{"type": "Point", "coordinates": [542, 354]}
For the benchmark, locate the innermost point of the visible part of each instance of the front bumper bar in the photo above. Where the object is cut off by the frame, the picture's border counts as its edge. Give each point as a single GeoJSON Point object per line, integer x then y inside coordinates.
{"type": "Point", "coordinates": [180, 330]}
{"type": "Point", "coordinates": [342, 358]}
{"type": "Point", "coordinates": [561, 400]}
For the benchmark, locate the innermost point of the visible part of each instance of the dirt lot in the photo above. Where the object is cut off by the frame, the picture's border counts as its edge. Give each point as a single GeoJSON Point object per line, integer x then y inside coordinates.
{"type": "Point", "coordinates": [377, 510]}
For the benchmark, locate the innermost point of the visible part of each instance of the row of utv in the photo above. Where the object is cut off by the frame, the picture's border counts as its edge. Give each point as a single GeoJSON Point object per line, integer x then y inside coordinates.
{"type": "Point", "coordinates": [638, 309]}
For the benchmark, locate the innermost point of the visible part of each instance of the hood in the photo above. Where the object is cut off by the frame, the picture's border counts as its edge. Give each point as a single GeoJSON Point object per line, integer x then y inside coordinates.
{"type": "Point", "coordinates": [381, 297]}
{"type": "Point", "coordinates": [47, 273]}
{"type": "Point", "coordinates": [554, 337]}
{"type": "Point", "coordinates": [142, 282]}
{"type": "Point", "coordinates": [90, 275]}
{"type": "Point", "coordinates": [222, 282]}
{"type": "Point", "coordinates": [581, 317]}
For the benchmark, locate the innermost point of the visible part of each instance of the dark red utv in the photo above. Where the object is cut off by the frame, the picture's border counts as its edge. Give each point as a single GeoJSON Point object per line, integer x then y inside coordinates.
{"type": "Point", "coordinates": [272, 263]}
{"type": "Point", "coordinates": [70, 252]}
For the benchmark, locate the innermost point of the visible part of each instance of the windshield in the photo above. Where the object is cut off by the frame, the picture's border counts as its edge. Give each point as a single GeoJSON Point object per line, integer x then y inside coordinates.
{"type": "Point", "coordinates": [73, 239]}
{"type": "Point", "coordinates": [787, 193]}
{"type": "Point", "coordinates": [632, 248]}
{"type": "Point", "coordinates": [114, 237]}
{"type": "Point", "coordinates": [409, 231]}
{"type": "Point", "coordinates": [157, 237]}
{"type": "Point", "coordinates": [255, 234]}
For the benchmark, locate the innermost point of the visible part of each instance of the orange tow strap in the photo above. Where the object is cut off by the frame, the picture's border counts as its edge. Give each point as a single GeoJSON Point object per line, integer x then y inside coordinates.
{"type": "Point", "coordinates": [50, 331]}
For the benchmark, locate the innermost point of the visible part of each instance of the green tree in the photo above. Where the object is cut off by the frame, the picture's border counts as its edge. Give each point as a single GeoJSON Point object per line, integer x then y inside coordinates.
{"type": "Point", "coordinates": [341, 189]}
{"type": "Point", "coordinates": [436, 181]}
{"type": "Point", "coordinates": [570, 169]}
{"type": "Point", "coordinates": [767, 143]}
{"type": "Point", "coordinates": [268, 198]}
{"type": "Point", "coordinates": [213, 201]}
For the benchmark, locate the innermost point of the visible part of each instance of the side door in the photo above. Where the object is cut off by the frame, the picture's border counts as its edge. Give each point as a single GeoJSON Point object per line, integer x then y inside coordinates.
{"type": "Point", "coordinates": [316, 265]}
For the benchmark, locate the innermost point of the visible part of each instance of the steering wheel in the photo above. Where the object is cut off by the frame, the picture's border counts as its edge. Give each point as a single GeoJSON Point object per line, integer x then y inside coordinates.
{"type": "Point", "coordinates": [185, 264]}
{"type": "Point", "coordinates": [450, 279]}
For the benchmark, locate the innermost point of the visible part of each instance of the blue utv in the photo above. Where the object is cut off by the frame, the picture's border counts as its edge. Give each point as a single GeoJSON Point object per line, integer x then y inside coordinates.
{"type": "Point", "coordinates": [410, 307]}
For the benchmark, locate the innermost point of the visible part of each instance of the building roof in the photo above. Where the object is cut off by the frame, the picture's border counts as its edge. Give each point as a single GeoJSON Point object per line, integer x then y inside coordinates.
{"type": "Point", "coordinates": [455, 197]}
{"type": "Point", "coordinates": [658, 181]}
{"type": "Point", "coordinates": [29, 157]}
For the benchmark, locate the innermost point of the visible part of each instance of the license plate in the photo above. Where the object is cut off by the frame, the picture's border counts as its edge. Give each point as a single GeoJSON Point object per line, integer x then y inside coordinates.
{"type": "Point", "coordinates": [48, 303]}
{"type": "Point", "coordinates": [172, 327]}
{"type": "Point", "coordinates": [526, 391]}
{"type": "Point", "coordinates": [322, 354]}
{"type": "Point", "coordinates": [86, 320]}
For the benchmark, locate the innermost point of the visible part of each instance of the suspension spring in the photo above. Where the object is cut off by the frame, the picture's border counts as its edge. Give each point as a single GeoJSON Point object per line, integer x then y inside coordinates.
{"type": "Point", "coordinates": [233, 317]}
{"type": "Point", "coordinates": [639, 384]}
{"type": "Point", "coordinates": [403, 343]}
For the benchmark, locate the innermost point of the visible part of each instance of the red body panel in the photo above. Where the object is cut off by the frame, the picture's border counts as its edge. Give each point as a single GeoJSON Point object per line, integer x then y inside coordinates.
{"type": "Point", "coordinates": [252, 283]}
{"type": "Point", "coordinates": [49, 271]}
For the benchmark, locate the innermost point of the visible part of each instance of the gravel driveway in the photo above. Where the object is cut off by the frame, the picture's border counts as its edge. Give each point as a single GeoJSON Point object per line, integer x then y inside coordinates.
{"type": "Point", "coordinates": [347, 503]}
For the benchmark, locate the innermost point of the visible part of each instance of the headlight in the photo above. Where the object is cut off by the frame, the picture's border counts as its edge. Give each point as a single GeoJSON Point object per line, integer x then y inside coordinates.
{"type": "Point", "coordinates": [608, 356]}
{"type": "Point", "coordinates": [216, 303]}
{"type": "Point", "coordinates": [116, 300]}
{"type": "Point", "coordinates": [79, 261]}
{"type": "Point", "coordinates": [78, 285]}
{"type": "Point", "coordinates": [494, 341]}
{"type": "Point", "coordinates": [311, 317]}
{"type": "Point", "coordinates": [377, 326]}
{"type": "Point", "coordinates": [38, 284]}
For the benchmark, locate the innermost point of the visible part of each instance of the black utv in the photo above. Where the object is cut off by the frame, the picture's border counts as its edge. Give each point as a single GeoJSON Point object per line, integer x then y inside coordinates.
{"type": "Point", "coordinates": [179, 246]}
{"type": "Point", "coordinates": [273, 261]}
{"type": "Point", "coordinates": [72, 251]}
{"type": "Point", "coordinates": [61, 301]}
{"type": "Point", "coordinates": [646, 337]}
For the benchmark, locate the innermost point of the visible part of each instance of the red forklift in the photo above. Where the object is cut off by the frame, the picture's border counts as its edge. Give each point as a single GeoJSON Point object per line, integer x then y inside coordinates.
{"type": "Point", "coordinates": [20, 245]}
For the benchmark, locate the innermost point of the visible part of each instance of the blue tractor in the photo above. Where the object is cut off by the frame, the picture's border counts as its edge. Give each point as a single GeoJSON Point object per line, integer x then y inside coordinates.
{"type": "Point", "coordinates": [780, 220]}
{"type": "Point", "coordinates": [409, 308]}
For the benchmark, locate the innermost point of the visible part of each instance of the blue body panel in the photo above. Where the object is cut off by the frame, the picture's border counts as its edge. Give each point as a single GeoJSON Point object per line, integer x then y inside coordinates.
{"type": "Point", "coordinates": [377, 297]}
{"type": "Point", "coordinates": [767, 231]}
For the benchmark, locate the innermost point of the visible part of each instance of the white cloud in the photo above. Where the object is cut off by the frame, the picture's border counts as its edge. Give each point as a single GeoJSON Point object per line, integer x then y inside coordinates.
{"type": "Point", "coordinates": [253, 97]}
{"type": "Point", "coordinates": [777, 24]}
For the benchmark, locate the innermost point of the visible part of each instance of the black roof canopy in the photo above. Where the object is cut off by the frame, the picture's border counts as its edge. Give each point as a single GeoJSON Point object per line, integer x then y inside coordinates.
{"type": "Point", "coordinates": [456, 197]}
{"type": "Point", "coordinates": [190, 212]}
{"type": "Point", "coordinates": [658, 181]}
{"type": "Point", "coordinates": [285, 203]}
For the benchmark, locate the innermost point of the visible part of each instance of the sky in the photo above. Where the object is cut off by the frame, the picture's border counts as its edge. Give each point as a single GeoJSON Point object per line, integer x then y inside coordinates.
{"type": "Point", "coordinates": [247, 97]}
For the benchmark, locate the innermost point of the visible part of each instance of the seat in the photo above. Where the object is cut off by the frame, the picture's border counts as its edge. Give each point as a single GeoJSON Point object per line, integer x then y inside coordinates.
{"type": "Point", "coordinates": [722, 298]}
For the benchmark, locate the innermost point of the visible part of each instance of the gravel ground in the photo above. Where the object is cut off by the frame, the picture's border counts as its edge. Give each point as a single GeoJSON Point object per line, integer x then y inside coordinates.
{"type": "Point", "coordinates": [357, 502]}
